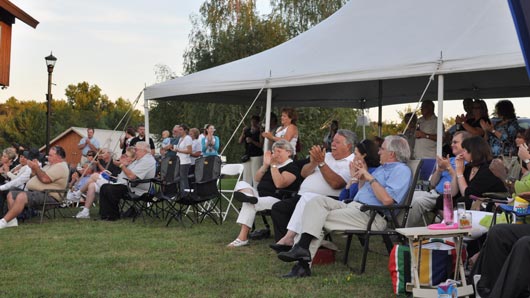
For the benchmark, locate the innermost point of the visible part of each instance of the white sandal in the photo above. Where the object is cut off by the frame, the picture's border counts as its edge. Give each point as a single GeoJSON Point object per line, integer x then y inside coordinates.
{"type": "Point", "coordinates": [238, 243]}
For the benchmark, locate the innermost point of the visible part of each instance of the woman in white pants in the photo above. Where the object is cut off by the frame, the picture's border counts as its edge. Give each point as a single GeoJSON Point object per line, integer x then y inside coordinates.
{"type": "Point", "coordinates": [278, 172]}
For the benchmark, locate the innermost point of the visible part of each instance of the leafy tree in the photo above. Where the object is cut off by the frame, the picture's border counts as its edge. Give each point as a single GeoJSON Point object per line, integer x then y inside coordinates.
{"type": "Point", "coordinates": [298, 16]}
{"type": "Point", "coordinates": [227, 30]}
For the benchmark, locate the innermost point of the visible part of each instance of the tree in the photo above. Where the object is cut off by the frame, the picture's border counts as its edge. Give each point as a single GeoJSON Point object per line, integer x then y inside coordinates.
{"type": "Point", "coordinates": [227, 30]}
{"type": "Point", "coordinates": [298, 16]}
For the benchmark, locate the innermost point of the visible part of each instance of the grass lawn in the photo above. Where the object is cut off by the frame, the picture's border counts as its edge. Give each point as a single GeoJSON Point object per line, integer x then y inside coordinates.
{"type": "Point", "coordinates": [65, 257]}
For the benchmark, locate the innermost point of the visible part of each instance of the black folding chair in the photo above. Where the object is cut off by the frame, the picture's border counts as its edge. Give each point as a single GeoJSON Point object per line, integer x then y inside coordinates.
{"type": "Point", "coordinates": [203, 199]}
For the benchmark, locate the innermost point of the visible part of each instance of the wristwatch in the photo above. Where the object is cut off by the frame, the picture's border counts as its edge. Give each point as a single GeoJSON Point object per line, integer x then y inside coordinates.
{"type": "Point", "coordinates": [320, 165]}
{"type": "Point", "coordinates": [274, 166]}
{"type": "Point", "coordinates": [427, 136]}
{"type": "Point", "coordinates": [526, 161]}
{"type": "Point", "coordinates": [372, 181]}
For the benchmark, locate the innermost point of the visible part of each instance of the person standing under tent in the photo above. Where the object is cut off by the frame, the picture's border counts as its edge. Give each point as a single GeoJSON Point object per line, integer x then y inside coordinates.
{"type": "Point", "coordinates": [425, 146]}
{"type": "Point", "coordinates": [210, 143]}
{"type": "Point", "coordinates": [253, 141]}
{"type": "Point", "coordinates": [287, 130]}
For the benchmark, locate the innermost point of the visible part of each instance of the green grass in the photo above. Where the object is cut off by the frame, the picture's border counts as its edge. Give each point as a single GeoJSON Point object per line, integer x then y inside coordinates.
{"type": "Point", "coordinates": [65, 257]}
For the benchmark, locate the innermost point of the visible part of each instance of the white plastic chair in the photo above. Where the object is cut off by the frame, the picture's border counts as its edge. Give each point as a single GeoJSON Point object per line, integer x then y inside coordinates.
{"type": "Point", "coordinates": [230, 170]}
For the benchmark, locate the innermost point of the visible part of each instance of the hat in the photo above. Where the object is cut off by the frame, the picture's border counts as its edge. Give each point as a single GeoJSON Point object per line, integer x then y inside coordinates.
{"type": "Point", "coordinates": [32, 154]}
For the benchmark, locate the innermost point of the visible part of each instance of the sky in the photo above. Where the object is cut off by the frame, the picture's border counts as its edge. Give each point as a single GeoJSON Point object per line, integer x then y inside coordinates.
{"type": "Point", "coordinates": [116, 45]}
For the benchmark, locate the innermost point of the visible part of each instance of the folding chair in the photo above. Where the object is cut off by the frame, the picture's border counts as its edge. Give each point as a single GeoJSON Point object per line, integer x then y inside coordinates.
{"type": "Point", "coordinates": [203, 198]}
{"type": "Point", "coordinates": [53, 207]}
{"type": "Point", "coordinates": [161, 189]}
{"type": "Point", "coordinates": [235, 170]}
{"type": "Point", "coordinates": [395, 212]}
{"type": "Point", "coordinates": [427, 168]}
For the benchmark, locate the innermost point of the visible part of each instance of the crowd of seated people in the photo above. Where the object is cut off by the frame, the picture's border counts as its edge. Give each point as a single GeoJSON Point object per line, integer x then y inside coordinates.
{"type": "Point", "coordinates": [335, 183]}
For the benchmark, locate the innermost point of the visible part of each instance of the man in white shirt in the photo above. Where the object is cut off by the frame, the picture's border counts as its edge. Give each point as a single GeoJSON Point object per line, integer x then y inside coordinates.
{"type": "Point", "coordinates": [425, 145]}
{"type": "Point", "coordinates": [144, 167]}
{"type": "Point", "coordinates": [326, 174]}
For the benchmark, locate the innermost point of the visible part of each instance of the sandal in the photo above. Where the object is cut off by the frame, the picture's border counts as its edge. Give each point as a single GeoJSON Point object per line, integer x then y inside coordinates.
{"type": "Point", "coordinates": [238, 243]}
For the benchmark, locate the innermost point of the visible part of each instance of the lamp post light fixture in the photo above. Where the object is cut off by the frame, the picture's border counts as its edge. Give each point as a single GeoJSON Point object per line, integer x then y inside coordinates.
{"type": "Point", "coordinates": [50, 63]}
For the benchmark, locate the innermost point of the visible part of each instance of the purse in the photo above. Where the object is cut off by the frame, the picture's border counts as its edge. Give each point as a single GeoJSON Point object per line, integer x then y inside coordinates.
{"type": "Point", "coordinates": [245, 158]}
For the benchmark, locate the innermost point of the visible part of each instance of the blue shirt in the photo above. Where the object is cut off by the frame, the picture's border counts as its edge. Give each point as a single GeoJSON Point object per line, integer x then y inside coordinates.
{"type": "Point", "coordinates": [85, 149]}
{"type": "Point", "coordinates": [395, 177]}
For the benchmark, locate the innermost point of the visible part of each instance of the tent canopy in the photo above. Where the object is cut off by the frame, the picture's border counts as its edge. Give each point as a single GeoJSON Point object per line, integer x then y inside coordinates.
{"type": "Point", "coordinates": [373, 49]}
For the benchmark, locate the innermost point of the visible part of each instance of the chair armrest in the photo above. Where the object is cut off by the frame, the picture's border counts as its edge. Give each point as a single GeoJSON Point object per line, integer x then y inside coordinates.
{"type": "Point", "coordinates": [284, 194]}
{"type": "Point", "coordinates": [383, 208]}
{"type": "Point", "coordinates": [496, 195]}
{"type": "Point", "coordinates": [135, 182]}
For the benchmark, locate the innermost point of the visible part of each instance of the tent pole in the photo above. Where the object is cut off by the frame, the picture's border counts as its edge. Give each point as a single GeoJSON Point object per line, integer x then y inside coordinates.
{"type": "Point", "coordinates": [439, 125]}
{"type": "Point", "coordinates": [380, 110]}
{"type": "Point", "coordinates": [146, 119]}
{"type": "Point", "coordinates": [268, 116]}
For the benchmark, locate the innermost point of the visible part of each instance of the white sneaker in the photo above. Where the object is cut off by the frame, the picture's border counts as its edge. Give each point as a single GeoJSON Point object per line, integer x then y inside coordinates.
{"type": "Point", "coordinates": [71, 197]}
{"type": "Point", "coordinates": [83, 214]}
{"type": "Point", "coordinates": [10, 224]}
{"type": "Point", "coordinates": [238, 243]}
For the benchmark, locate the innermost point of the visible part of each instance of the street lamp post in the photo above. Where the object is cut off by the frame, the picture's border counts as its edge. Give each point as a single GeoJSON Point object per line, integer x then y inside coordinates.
{"type": "Point", "coordinates": [50, 63]}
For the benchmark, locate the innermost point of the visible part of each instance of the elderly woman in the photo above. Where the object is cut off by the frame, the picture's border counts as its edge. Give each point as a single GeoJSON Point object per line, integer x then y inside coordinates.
{"type": "Point", "coordinates": [8, 156]}
{"type": "Point", "coordinates": [501, 135]}
{"type": "Point", "coordinates": [474, 178]}
{"type": "Point", "coordinates": [278, 172]}
{"type": "Point", "coordinates": [287, 131]}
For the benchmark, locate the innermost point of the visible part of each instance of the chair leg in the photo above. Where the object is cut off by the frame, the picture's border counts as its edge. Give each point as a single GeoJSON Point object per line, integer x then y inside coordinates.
{"type": "Point", "coordinates": [347, 252]}
{"type": "Point", "coordinates": [365, 252]}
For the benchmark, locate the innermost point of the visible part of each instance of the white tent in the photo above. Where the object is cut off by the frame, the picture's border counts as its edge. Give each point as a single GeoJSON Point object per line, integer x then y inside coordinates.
{"type": "Point", "coordinates": [375, 49]}
{"type": "Point", "coordinates": [378, 52]}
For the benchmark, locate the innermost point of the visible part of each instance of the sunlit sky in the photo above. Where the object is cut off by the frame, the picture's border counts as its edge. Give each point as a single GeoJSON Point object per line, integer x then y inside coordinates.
{"type": "Point", "coordinates": [116, 45]}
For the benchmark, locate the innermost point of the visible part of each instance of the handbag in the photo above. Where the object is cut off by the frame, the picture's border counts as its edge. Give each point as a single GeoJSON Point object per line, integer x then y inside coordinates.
{"type": "Point", "coordinates": [245, 158]}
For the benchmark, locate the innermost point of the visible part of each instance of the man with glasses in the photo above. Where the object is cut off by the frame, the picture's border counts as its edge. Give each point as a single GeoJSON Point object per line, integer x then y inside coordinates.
{"type": "Point", "coordinates": [52, 176]}
{"type": "Point", "coordinates": [143, 167]}
{"type": "Point", "coordinates": [387, 185]}
{"type": "Point", "coordinates": [424, 201]}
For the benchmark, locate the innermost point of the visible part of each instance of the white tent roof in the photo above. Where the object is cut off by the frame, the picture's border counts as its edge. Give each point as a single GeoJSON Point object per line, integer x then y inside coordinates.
{"type": "Point", "coordinates": [375, 48]}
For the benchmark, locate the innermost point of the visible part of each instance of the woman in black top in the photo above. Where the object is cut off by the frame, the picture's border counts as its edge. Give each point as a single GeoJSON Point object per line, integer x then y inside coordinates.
{"type": "Point", "coordinates": [474, 178]}
{"type": "Point", "coordinates": [278, 172]}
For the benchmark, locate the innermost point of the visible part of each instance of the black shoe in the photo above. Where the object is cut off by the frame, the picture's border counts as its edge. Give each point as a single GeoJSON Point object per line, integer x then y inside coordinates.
{"type": "Point", "coordinates": [296, 253]}
{"type": "Point", "coordinates": [260, 234]}
{"type": "Point", "coordinates": [299, 270]}
{"type": "Point", "coordinates": [243, 198]}
{"type": "Point", "coordinates": [278, 248]}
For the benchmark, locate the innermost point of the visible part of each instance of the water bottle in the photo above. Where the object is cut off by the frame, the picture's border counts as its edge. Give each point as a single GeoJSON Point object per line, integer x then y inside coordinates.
{"type": "Point", "coordinates": [448, 204]}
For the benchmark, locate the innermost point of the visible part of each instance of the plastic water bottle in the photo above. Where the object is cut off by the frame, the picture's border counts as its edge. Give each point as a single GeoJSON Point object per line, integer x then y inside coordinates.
{"type": "Point", "coordinates": [448, 204]}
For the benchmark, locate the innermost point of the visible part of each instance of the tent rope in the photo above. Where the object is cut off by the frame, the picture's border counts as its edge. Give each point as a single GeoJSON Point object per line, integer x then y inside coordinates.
{"type": "Point", "coordinates": [242, 120]}
{"type": "Point", "coordinates": [431, 79]}
{"type": "Point", "coordinates": [128, 116]}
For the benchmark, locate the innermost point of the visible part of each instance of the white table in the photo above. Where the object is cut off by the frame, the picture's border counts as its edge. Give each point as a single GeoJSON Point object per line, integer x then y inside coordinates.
{"type": "Point", "coordinates": [423, 233]}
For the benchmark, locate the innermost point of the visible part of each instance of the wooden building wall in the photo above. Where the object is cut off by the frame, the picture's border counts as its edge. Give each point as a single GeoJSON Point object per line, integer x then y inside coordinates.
{"type": "Point", "coordinates": [69, 143]}
{"type": "Point", "coordinates": [5, 51]}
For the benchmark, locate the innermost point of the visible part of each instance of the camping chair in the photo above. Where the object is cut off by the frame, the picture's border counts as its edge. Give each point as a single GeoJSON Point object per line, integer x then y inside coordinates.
{"type": "Point", "coordinates": [161, 189]}
{"type": "Point", "coordinates": [427, 168]}
{"type": "Point", "coordinates": [203, 199]}
{"type": "Point", "coordinates": [398, 218]}
{"type": "Point", "coordinates": [50, 209]}
{"type": "Point", "coordinates": [228, 194]}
